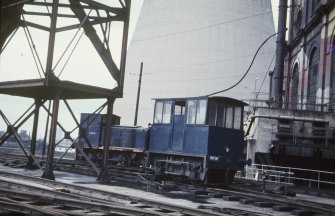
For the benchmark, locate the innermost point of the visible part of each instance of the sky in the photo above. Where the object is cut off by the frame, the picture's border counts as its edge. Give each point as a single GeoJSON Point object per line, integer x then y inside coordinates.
{"type": "Point", "coordinates": [85, 66]}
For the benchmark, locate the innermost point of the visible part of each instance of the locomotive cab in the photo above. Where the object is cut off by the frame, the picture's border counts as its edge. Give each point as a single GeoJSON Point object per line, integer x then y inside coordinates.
{"type": "Point", "coordinates": [200, 138]}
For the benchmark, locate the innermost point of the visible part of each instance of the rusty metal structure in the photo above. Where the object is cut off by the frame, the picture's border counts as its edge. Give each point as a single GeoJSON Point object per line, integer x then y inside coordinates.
{"type": "Point", "coordinates": [49, 87]}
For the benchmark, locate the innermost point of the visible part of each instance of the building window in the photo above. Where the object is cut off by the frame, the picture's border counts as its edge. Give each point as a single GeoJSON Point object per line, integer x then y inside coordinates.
{"type": "Point", "coordinates": [312, 79]}
{"type": "Point", "coordinates": [297, 22]}
{"type": "Point", "coordinates": [315, 4]}
{"type": "Point", "coordinates": [294, 89]}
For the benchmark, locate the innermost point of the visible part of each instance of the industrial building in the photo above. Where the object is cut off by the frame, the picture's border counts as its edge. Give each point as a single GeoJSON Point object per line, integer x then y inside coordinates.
{"type": "Point", "coordinates": [296, 126]}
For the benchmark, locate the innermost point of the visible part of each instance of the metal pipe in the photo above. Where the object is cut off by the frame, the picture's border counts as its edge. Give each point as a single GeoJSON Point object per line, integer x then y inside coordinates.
{"type": "Point", "coordinates": [280, 54]}
{"type": "Point", "coordinates": [290, 118]}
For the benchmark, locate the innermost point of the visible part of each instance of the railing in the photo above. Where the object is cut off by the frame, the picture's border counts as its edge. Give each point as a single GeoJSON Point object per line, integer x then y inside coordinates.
{"type": "Point", "coordinates": [286, 175]}
{"type": "Point", "coordinates": [263, 102]}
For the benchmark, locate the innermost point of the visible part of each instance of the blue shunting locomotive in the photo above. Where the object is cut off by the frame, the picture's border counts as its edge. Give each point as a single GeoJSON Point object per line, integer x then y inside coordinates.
{"type": "Point", "coordinates": [198, 137]}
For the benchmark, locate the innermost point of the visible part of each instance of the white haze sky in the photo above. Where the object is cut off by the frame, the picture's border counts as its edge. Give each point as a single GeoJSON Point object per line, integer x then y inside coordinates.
{"type": "Point", "coordinates": [85, 66]}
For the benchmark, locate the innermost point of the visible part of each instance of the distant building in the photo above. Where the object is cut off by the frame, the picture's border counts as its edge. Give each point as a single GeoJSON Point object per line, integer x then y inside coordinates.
{"type": "Point", "coordinates": [301, 133]}
{"type": "Point", "coordinates": [11, 142]}
{"type": "Point", "coordinates": [24, 135]}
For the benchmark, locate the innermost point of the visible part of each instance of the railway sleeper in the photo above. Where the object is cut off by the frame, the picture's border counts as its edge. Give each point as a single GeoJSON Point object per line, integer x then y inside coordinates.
{"type": "Point", "coordinates": [281, 208]}
{"type": "Point", "coordinates": [246, 201]}
{"type": "Point", "coordinates": [263, 204]}
{"type": "Point", "coordinates": [300, 212]}
{"type": "Point", "coordinates": [231, 198]}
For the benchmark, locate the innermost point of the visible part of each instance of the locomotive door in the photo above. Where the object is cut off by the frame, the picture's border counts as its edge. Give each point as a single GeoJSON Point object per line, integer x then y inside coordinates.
{"type": "Point", "coordinates": [178, 126]}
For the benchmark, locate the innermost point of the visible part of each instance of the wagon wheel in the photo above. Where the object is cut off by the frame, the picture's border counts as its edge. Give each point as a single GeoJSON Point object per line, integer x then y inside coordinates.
{"type": "Point", "coordinates": [205, 179]}
{"type": "Point", "coordinates": [126, 160]}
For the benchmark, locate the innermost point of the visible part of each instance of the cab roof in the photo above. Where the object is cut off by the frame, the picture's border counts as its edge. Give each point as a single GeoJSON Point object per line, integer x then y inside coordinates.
{"type": "Point", "coordinates": [211, 98]}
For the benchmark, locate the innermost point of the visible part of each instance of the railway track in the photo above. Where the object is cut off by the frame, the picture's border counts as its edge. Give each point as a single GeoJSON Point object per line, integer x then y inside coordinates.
{"type": "Point", "coordinates": [29, 195]}
{"type": "Point", "coordinates": [252, 197]}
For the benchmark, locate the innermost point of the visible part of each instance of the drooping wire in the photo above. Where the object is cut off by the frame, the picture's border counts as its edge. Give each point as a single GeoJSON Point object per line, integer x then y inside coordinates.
{"type": "Point", "coordinates": [47, 8]}
{"type": "Point", "coordinates": [32, 52]}
{"type": "Point", "coordinates": [75, 35]}
{"type": "Point", "coordinates": [67, 60]}
{"type": "Point", "coordinates": [245, 74]}
{"type": "Point", "coordinates": [268, 70]}
{"type": "Point", "coordinates": [33, 45]}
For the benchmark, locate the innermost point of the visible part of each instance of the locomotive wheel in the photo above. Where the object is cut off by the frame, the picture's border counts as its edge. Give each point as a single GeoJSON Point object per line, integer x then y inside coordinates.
{"type": "Point", "coordinates": [214, 177]}
{"type": "Point", "coordinates": [205, 180]}
{"type": "Point", "coordinates": [229, 177]}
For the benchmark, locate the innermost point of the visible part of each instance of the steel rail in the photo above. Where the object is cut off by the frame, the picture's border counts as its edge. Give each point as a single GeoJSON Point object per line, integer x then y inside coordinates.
{"type": "Point", "coordinates": [277, 199]}
{"type": "Point", "coordinates": [16, 206]}
{"type": "Point", "coordinates": [233, 191]}
{"type": "Point", "coordinates": [80, 203]}
{"type": "Point", "coordinates": [102, 195]}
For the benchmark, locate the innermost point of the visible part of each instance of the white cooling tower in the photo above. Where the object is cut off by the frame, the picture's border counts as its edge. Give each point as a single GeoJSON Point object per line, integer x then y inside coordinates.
{"type": "Point", "coordinates": [196, 47]}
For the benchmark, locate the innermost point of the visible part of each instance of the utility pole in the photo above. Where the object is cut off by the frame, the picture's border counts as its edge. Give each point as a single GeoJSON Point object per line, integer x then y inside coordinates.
{"type": "Point", "coordinates": [138, 94]}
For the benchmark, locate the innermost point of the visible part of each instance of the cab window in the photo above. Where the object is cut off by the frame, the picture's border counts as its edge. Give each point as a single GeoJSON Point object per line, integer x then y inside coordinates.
{"type": "Point", "coordinates": [229, 117]}
{"type": "Point", "coordinates": [201, 112]}
{"type": "Point", "coordinates": [191, 111]}
{"type": "Point", "coordinates": [225, 115]}
{"type": "Point", "coordinates": [162, 112]}
{"type": "Point", "coordinates": [158, 112]}
{"type": "Point", "coordinates": [196, 111]}
{"type": "Point", "coordinates": [212, 116]}
{"type": "Point", "coordinates": [237, 118]}
{"type": "Point", "coordinates": [167, 112]}
{"type": "Point", "coordinates": [179, 108]}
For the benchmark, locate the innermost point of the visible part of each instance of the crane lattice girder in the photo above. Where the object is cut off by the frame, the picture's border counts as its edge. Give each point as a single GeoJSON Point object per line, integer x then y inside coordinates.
{"type": "Point", "coordinates": [10, 20]}
{"type": "Point", "coordinates": [90, 32]}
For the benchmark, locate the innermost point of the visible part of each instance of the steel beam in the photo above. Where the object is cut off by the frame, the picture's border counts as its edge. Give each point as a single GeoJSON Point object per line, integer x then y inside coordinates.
{"type": "Point", "coordinates": [114, 10]}
{"type": "Point", "coordinates": [48, 173]}
{"type": "Point", "coordinates": [104, 175]}
{"type": "Point", "coordinates": [124, 46]}
{"type": "Point", "coordinates": [52, 37]}
{"type": "Point", "coordinates": [38, 103]}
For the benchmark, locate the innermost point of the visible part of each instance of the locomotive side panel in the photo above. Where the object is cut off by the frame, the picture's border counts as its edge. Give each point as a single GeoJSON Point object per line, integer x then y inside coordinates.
{"type": "Point", "coordinates": [196, 140]}
{"type": "Point", "coordinates": [226, 146]}
{"type": "Point", "coordinates": [160, 136]}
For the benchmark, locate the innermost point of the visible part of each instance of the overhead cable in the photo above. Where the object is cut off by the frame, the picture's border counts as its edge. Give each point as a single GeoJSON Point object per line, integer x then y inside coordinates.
{"type": "Point", "coordinates": [245, 74]}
